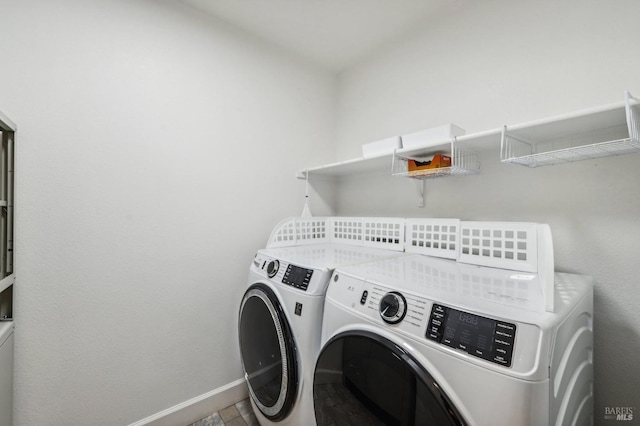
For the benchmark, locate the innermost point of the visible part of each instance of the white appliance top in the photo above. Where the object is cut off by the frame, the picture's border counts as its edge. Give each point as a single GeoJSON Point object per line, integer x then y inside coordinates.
{"type": "Point", "coordinates": [328, 256]}
{"type": "Point", "coordinates": [477, 288]}
{"type": "Point", "coordinates": [516, 246]}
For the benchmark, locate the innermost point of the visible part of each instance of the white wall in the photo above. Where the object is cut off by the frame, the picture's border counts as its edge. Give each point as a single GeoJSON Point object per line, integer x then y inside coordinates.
{"type": "Point", "coordinates": [156, 149]}
{"type": "Point", "coordinates": [485, 64]}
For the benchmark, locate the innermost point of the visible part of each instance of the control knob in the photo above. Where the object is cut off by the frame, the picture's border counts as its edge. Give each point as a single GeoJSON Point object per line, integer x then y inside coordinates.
{"type": "Point", "coordinates": [272, 268]}
{"type": "Point", "coordinates": [393, 307]}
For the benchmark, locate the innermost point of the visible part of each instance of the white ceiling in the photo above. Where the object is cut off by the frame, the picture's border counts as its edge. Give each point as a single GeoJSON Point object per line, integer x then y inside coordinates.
{"type": "Point", "coordinates": [331, 33]}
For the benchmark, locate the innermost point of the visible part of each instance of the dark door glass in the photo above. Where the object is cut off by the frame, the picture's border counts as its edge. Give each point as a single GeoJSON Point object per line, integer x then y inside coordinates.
{"type": "Point", "coordinates": [267, 350]}
{"type": "Point", "coordinates": [261, 351]}
{"type": "Point", "coordinates": [363, 378]}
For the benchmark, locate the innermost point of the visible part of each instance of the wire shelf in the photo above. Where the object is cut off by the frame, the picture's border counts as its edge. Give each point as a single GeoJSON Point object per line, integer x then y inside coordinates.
{"type": "Point", "coordinates": [618, 139]}
{"type": "Point", "coordinates": [463, 162]}
{"type": "Point", "coordinates": [585, 152]}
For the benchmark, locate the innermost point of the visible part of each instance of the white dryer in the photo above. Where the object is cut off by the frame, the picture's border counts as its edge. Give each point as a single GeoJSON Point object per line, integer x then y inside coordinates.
{"type": "Point", "coordinates": [418, 340]}
{"type": "Point", "coordinates": [279, 325]}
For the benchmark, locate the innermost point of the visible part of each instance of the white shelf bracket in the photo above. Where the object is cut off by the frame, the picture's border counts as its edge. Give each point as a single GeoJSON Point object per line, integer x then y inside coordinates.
{"type": "Point", "coordinates": [420, 187]}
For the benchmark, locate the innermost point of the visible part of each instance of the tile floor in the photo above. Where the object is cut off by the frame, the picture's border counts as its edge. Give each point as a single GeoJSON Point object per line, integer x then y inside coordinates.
{"type": "Point", "coordinates": [239, 414]}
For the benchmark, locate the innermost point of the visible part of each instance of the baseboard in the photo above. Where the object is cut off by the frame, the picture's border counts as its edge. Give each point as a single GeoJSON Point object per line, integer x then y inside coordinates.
{"type": "Point", "coordinates": [199, 407]}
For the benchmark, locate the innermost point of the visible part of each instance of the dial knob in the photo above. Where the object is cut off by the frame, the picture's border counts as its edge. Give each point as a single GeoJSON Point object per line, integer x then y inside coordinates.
{"type": "Point", "coordinates": [393, 307]}
{"type": "Point", "coordinates": [272, 268]}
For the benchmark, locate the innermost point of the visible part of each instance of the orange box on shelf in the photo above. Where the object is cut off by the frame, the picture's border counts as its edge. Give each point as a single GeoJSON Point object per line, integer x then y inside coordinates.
{"type": "Point", "coordinates": [438, 161]}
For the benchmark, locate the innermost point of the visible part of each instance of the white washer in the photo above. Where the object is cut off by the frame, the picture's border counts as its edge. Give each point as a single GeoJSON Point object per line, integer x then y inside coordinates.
{"type": "Point", "coordinates": [419, 340]}
{"type": "Point", "coordinates": [279, 325]}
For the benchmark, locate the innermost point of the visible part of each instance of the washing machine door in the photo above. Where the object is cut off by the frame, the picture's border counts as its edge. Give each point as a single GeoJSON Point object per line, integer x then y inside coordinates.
{"type": "Point", "coordinates": [268, 352]}
{"type": "Point", "coordinates": [364, 378]}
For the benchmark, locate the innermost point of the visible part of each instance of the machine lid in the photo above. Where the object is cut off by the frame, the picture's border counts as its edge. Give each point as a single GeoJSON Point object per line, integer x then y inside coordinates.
{"type": "Point", "coordinates": [372, 380]}
{"type": "Point", "coordinates": [268, 352]}
{"type": "Point", "coordinates": [328, 255]}
{"type": "Point", "coordinates": [448, 281]}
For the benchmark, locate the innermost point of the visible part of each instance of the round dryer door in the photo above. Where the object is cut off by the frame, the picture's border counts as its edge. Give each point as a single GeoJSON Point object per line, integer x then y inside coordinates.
{"type": "Point", "coordinates": [368, 379]}
{"type": "Point", "coordinates": [268, 352]}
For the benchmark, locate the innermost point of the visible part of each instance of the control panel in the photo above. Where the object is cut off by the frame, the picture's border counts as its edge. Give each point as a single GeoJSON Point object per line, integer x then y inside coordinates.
{"type": "Point", "coordinates": [286, 273]}
{"type": "Point", "coordinates": [479, 336]}
{"type": "Point", "coordinates": [488, 340]}
{"type": "Point", "coordinates": [297, 277]}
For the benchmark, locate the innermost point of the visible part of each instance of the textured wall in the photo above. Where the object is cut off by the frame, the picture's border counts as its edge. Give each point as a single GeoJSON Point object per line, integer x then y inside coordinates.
{"type": "Point", "coordinates": [485, 64]}
{"type": "Point", "coordinates": [156, 150]}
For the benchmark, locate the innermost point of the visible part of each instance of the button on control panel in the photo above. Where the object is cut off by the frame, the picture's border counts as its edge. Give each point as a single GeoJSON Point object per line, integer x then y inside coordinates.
{"type": "Point", "coordinates": [479, 336]}
{"type": "Point", "coordinates": [436, 321]}
{"type": "Point", "coordinates": [504, 338]}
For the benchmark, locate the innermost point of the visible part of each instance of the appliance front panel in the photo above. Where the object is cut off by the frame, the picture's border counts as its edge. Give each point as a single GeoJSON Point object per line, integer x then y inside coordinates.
{"type": "Point", "coordinates": [522, 342]}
